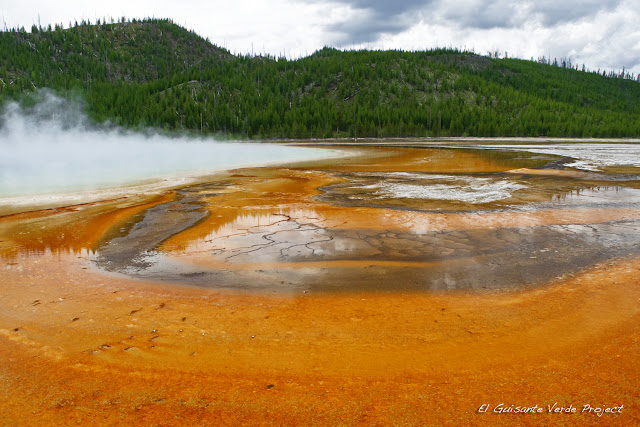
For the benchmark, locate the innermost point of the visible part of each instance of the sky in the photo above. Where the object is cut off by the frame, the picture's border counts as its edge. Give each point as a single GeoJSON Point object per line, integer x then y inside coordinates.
{"type": "Point", "coordinates": [603, 34]}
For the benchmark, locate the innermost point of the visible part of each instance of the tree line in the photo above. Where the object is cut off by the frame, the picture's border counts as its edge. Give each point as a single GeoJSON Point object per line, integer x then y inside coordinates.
{"type": "Point", "coordinates": [153, 73]}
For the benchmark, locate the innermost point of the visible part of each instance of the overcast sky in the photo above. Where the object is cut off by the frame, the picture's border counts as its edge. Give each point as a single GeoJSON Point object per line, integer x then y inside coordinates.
{"type": "Point", "coordinates": [600, 33]}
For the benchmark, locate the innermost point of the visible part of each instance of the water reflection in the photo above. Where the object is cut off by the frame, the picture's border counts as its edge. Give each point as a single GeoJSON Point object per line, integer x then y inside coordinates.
{"type": "Point", "coordinates": [472, 192]}
{"type": "Point", "coordinates": [396, 223]}
{"type": "Point", "coordinates": [597, 194]}
{"type": "Point", "coordinates": [12, 255]}
{"type": "Point", "coordinates": [253, 228]}
{"type": "Point", "coordinates": [286, 255]}
{"type": "Point", "coordinates": [40, 239]}
{"type": "Point", "coordinates": [589, 157]}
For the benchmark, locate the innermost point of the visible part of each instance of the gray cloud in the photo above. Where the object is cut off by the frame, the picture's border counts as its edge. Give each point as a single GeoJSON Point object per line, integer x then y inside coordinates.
{"type": "Point", "coordinates": [484, 14]}
{"type": "Point", "coordinates": [374, 18]}
{"type": "Point", "coordinates": [553, 12]}
{"type": "Point", "coordinates": [366, 30]}
{"type": "Point", "coordinates": [487, 14]}
{"type": "Point", "coordinates": [385, 7]}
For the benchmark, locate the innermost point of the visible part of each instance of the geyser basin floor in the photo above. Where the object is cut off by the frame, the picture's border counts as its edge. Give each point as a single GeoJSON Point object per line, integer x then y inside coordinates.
{"type": "Point", "coordinates": [83, 345]}
{"type": "Point", "coordinates": [82, 348]}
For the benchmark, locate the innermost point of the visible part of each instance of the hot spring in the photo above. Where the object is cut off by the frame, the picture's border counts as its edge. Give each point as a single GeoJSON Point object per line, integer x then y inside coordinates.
{"type": "Point", "coordinates": [52, 148]}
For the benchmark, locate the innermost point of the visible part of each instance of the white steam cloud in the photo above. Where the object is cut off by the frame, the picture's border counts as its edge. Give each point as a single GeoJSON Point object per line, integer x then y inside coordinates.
{"type": "Point", "coordinates": [53, 148]}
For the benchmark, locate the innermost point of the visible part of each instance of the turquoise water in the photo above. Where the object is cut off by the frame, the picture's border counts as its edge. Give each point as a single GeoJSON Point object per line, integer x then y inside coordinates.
{"type": "Point", "coordinates": [86, 160]}
{"type": "Point", "coordinates": [52, 147]}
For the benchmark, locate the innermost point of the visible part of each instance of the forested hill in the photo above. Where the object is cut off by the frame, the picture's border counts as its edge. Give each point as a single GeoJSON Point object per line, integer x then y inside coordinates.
{"type": "Point", "coordinates": [155, 73]}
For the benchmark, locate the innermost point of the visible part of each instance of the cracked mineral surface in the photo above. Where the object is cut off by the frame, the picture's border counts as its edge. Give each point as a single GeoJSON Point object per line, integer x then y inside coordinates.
{"type": "Point", "coordinates": [343, 227]}
{"type": "Point", "coordinates": [403, 284]}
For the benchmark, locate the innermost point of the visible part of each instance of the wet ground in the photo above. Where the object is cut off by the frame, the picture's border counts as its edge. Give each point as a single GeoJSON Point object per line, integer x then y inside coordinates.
{"type": "Point", "coordinates": [385, 224]}
{"type": "Point", "coordinates": [395, 286]}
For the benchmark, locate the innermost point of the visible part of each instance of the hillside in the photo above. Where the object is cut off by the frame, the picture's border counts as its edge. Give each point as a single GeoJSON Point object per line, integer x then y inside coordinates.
{"type": "Point", "coordinates": [155, 73]}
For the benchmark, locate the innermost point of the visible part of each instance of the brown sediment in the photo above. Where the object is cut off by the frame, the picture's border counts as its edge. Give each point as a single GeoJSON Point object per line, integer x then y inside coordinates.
{"type": "Point", "coordinates": [622, 169]}
{"type": "Point", "coordinates": [571, 173]}
{"type": "Point", "coordinates": [80, 346]}
{"type": "Point", "coordinates": [433, 160]}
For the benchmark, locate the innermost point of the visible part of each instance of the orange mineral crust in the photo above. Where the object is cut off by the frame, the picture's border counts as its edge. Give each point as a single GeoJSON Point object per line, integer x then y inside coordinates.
{"type": "Point", "coordinates": [305, 295]}
{"type": "Point", "coordinates": [81, 348]}
{"type": "Point", "coordinates": [72, 228]}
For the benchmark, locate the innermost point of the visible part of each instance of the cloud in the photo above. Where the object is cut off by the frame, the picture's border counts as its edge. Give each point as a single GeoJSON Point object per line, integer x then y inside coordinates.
{"type": "Point", "coordinates": [610, 40]}
{"type": "Point", "coordinates": [600, 33]}
{"type": "Point", "coordinates": [488, 14]}
{"type": "Point", "coordinates": [483, 14]}
{"type": "Point", "coordinates": [367, 21]}
{"type": "Point", "coordinates": [370, 21]}
{"type": "Point", "coordinates": [554, 12]}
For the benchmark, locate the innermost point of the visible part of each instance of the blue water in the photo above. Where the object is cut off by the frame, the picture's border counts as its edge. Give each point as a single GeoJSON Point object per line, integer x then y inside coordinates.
{"type": "Point", "coordinates": [53, 147]}
{"type": "Point", "coordinates": [87, 160]}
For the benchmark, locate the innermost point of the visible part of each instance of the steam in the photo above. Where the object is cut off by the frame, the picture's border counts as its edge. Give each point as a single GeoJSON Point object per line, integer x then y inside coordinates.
{"type": "Point", "coordinates": [52, 147]}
